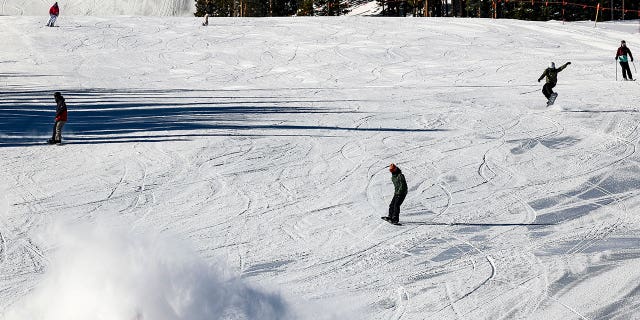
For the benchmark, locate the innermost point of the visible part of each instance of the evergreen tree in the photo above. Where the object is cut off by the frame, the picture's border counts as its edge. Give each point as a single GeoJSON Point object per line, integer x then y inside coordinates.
{"type": "Point", "coordinates": [306, 8]}
{"type": "Point", "coordinates": [203, 7]}
{"type": "Point", "coordinates": [246, 8]}
{"type": "Point", "coordinates": [523, 10]}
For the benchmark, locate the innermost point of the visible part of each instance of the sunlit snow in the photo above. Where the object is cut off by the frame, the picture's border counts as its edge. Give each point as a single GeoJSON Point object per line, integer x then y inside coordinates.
{"type": "Point", "coordinates": [239, 170]}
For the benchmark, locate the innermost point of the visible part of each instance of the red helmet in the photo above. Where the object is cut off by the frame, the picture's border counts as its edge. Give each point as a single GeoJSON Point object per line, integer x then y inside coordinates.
{"type": "Point", "coordinates": [392, 168]}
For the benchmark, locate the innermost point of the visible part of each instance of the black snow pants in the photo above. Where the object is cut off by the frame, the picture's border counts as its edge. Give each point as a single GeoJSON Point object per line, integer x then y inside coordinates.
{"type": "Point", "coordinates": [53, 135]}
{"type": "Point", "coordinates": [394, 207]}
{"type": "Point", "coordinates": [547, 90]}
{"type": "Point", "coordinates": [626, 71]}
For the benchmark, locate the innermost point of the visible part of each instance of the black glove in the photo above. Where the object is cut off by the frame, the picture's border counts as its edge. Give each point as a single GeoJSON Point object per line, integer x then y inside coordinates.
{"type": "Point", "coordinates": [538, 80]}
{"type": "Point", "coordinates": [568, 63]}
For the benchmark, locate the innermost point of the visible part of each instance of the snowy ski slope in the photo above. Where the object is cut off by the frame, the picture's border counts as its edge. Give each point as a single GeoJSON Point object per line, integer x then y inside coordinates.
{"type": "Point", "coordinates": [238, 171]}
{"type": "Point", "coordinates": [99, 7]}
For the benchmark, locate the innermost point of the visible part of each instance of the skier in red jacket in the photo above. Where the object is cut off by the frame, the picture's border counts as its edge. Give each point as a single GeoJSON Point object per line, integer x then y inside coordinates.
{"type": "Point", "coordinates": [61, 119]}
{"type": "Point", "coordinates": [622, 55]}
{"type": "Point", "coordinates": [53, 13]}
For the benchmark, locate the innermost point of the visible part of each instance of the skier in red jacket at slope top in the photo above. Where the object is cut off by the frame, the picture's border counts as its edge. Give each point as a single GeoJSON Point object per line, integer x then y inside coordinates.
{"type": "Point", "coordinates": [61, 119]}
{"type": "Point", "coordinates": [53, 13]}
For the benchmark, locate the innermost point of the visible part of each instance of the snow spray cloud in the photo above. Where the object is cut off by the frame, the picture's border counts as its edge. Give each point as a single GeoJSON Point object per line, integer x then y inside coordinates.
{"type": "Point", "coordinates": [101, 274]}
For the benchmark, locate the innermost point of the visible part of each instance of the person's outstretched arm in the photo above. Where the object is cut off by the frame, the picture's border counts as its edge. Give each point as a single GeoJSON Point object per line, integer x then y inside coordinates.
{"type": "Point", "coordinates": [563, 66]}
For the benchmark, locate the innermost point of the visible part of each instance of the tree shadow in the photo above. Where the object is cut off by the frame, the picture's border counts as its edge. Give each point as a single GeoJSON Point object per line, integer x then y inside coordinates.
{"type": "Point", "coordinates": [133, 115]}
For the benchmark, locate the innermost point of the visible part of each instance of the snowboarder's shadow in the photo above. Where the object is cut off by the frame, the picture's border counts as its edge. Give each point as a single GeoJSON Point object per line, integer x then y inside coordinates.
{"type": "Point", "coordinates": [468, 224]}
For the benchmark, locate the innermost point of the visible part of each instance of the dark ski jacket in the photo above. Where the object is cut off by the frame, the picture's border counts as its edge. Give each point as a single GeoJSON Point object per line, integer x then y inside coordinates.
{"type": "Point", "coordinates": [552, 74]}
{"type": "Point", "coordinates": [399, 183]}
{"type": "Point", "coordinates": [55, 10]}
{"type": "Point", "coordinates": [61, 109]}
{"type": "Point", "coordinates": [624, 51]}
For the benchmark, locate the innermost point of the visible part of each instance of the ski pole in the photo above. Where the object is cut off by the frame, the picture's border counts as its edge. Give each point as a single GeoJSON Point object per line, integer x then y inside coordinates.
{"type": "Point", "coordinates": [634, 67]}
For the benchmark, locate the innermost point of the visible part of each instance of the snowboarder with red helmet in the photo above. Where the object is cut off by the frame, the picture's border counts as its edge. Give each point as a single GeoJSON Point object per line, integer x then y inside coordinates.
{"type": "Point", "coordinates": [54, 12]}
{"type": "Point", "coordinates": [400, 192]}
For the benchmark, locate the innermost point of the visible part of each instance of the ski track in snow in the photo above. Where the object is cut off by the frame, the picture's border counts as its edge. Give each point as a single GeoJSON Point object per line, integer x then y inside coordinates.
{"type": "Point", "coordinates": [266, 142]}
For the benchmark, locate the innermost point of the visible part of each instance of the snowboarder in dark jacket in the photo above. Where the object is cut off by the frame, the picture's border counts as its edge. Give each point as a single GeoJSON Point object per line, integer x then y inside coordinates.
{"type": "Point", "coordinates": [551, 74]}
{"type": "Point", "coordinates": [622, 55]}
{"type": "Point", "coordinates": [400, 192]}
{"type": "Point", "coordinates": [54, 12]}
{"type": "Point", "coordinates": [61, 119]}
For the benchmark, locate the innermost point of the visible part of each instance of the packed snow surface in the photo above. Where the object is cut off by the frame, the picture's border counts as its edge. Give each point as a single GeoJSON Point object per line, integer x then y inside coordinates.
{"type": "Point", "coordinates": [239, 171]}
{"type": "Point", "coordinates": [99, 7]}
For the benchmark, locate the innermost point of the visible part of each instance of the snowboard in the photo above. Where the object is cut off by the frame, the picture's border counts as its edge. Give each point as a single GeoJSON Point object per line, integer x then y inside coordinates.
{"type": "Point", "coordinates": [49, 142]}
{"type": "Point", "coordinates": [387, 220]}
{"type": "Point", "coordinates": [552, 99]}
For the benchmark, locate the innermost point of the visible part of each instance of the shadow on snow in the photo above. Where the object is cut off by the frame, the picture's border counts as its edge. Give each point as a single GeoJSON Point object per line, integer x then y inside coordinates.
{"type": "Point", "coordinates": [425, 223]}
{"type": "Point", "coordinates": [119, 116]}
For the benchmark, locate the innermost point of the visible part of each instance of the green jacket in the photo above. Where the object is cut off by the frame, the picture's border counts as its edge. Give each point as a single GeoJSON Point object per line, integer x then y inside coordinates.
{"type": "Point", "coordinates": [399, 183]}
{"type": "Point", "coordinates": [552, 74]}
